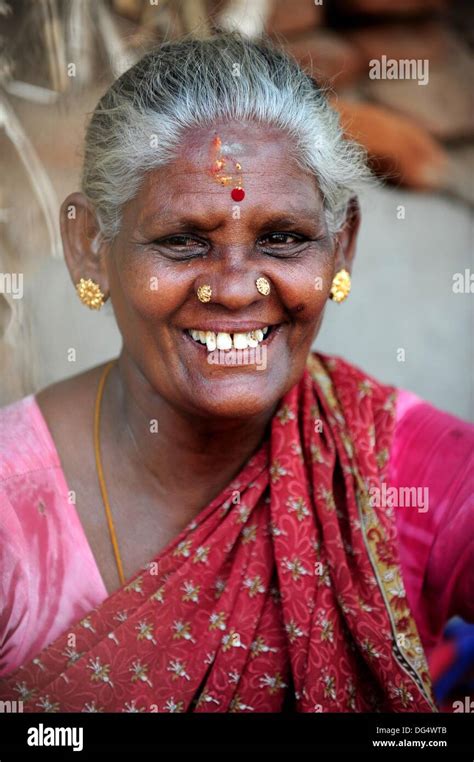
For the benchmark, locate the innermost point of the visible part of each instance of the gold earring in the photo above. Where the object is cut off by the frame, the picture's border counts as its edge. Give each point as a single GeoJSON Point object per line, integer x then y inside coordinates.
{"type": "Point", "coordinates": [204, 293]}
{"type": "Point", "coordinates": [90, 294]}
{"type": "Point", "coordinates": [341, 286]}
{"type": "Point", "coordinates": [263, 286]}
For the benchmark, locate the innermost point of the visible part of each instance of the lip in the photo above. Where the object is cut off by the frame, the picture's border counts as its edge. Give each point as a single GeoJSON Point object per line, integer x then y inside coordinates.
{"type": "Point", "coordinates": [227, 327]}
{"type": "Point", "coordinates": [272, 336]}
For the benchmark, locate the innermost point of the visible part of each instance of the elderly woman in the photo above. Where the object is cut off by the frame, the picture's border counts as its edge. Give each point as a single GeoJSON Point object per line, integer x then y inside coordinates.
{"type": "Point", "coordinates": [214, 520]}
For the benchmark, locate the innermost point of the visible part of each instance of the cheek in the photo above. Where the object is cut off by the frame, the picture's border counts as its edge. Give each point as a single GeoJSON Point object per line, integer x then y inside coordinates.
{"type": "Point", "coordinates": [305, 288]}
{"type": "Point", "coordinates": [146, 290]}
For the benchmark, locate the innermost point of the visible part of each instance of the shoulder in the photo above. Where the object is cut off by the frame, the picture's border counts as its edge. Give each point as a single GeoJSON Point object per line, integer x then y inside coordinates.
{"type": "Point", "coordinates": [25, 445]}
{"type": "Point", "coordinates": [24, 453]}
{"type": "Point", "coordinates": [47, 571]}
{"type": "Point", "coordinates": [38, 434]}
{"type": "Point", "coordinates": [418, 423]}
{"type": "Point", "coordinates": [433, 453]}
{"type": "Point", "coordinates": [430, 441]}
{"type": "Point", "coordinates": [351, 383]}
{"type": "Point", "coordinates": [431, 475]}
{"type": "Point", "coordinates": [34, 428]}
{"type": "Point", "coordinates": [27, 425]}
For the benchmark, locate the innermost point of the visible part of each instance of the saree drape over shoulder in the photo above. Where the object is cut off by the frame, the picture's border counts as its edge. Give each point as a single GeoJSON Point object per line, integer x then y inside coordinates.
{"type": "Point", "coordinates": [284, 594]}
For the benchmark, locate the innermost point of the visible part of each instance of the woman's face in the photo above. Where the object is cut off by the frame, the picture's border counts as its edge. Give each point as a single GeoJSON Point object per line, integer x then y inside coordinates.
{"type": "Point", "coordinates": [183, 230]}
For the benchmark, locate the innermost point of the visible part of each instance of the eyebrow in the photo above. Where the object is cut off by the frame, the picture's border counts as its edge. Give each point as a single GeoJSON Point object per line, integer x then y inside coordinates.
{"type": "Point", "coordinates": [177, 223]}
{"type": "Point", "coordinates": [196, 223]}
{"type": "Point", "coordinates": [293, 219]}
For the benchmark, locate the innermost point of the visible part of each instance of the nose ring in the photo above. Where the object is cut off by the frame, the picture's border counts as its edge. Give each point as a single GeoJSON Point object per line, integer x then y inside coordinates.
{"type": "Point", "coordinates": [263, 286]}
{"type": "Point", "coordinates": [204, 293]}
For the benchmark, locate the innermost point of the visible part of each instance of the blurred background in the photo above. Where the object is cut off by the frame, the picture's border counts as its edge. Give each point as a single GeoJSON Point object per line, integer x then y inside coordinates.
{"type": "Point", "coordinates": [408, 320]}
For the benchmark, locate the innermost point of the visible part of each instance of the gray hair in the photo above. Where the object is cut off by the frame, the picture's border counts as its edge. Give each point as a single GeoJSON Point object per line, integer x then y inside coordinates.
{"type": "Point", "coordinates": [137, 125]}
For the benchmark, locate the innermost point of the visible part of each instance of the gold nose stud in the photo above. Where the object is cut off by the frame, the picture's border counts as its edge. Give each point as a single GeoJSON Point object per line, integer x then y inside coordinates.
{"type": "Point", "coordinates": [204, 293]}
{"type": "Point", "coordinates": [263, 286]}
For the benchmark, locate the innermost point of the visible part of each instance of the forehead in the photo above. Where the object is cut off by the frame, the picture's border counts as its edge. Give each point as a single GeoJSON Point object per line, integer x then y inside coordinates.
{"type": "Point", "coordinates": [239, 139]}
{"type": "Point", "coordinates": [270, 174]}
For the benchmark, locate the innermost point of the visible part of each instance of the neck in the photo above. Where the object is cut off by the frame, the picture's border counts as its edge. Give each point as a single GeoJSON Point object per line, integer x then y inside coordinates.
{"type": "Point", "coordinates": [188, 457]}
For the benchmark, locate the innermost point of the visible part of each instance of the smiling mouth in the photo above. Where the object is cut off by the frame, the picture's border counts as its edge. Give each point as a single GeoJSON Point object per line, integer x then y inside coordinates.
{"type": "Point", "coordinates": [227, 341]}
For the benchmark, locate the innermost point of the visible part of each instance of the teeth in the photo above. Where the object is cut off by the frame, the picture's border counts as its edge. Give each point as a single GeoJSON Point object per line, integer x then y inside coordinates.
{"type": "Point", "coordinates": [240, 341]}
{"type": "Point", "coordinates": [225, 341]}
{"type": "Point", "coordinates": [210, 341]}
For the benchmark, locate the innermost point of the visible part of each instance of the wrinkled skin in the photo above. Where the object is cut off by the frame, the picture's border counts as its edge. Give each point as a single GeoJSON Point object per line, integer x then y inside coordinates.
{"type": "Point", "coordinates": [182, 230]}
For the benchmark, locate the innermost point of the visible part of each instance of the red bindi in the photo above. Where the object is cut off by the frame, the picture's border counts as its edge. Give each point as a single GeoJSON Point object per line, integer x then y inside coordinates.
{"type": "Point", "coordinates": [238, 194]}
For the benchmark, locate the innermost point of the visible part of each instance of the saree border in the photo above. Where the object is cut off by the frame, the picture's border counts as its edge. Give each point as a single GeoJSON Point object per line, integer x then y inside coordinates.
{"type": "Point", "coordinates": [411, 658]}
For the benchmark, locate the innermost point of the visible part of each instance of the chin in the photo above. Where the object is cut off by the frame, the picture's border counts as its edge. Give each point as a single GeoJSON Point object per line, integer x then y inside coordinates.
{"type": "Point", "coordinates": [249, 396]}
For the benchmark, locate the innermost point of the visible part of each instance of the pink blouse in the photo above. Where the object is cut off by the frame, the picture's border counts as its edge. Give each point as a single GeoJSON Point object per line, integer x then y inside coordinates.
{"type": "Point", "coordinates": [49, 578]}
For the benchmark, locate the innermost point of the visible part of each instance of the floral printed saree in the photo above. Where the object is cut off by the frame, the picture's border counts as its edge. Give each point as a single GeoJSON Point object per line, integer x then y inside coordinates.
{"type": "Point", "coordinates": [283, 594]}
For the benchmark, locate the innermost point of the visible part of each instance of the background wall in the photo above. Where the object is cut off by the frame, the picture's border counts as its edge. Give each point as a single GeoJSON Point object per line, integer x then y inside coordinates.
{"type": "Point", "coordinates": [415, 235]}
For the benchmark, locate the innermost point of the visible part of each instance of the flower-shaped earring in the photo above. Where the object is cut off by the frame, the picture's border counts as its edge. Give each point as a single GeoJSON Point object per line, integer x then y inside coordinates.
{"type": "Point", "coordinates": [341, 286]}
{"type": "Point", "coordinates": [90, 294]}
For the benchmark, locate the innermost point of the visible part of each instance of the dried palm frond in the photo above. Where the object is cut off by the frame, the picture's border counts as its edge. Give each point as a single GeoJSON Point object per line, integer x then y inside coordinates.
{"type": "Point", "coordinates": [35, 171]}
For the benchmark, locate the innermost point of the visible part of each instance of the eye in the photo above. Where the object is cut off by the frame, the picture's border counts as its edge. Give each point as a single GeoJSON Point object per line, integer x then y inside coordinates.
{"type": "Point", "coordinates": [281, 237]}
{"type": "Point", "coordinates": [182, 244]}
{"type": "Point", "coordinates": [281, 242]}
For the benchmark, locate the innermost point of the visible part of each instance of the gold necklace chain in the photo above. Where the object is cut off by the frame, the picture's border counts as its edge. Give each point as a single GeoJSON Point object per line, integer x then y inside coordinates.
{"type": "Point", "coordinates": [100, 471]}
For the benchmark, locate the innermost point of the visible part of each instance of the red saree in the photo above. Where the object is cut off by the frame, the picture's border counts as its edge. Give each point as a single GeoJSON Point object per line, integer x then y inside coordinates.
{"type": "Point", "coordinates": [283, 594]}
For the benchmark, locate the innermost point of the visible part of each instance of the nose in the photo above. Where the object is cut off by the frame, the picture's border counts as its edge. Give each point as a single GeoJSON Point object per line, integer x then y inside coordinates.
{"type": "Point", "coordinates": [234, 283]}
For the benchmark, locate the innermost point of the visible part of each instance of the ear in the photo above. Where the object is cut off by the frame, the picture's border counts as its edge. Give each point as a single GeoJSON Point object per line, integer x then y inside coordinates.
{"type": "Point", "coordinates": [346, 238]}
{"type": "Point", "coordinates": [84, 247]}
